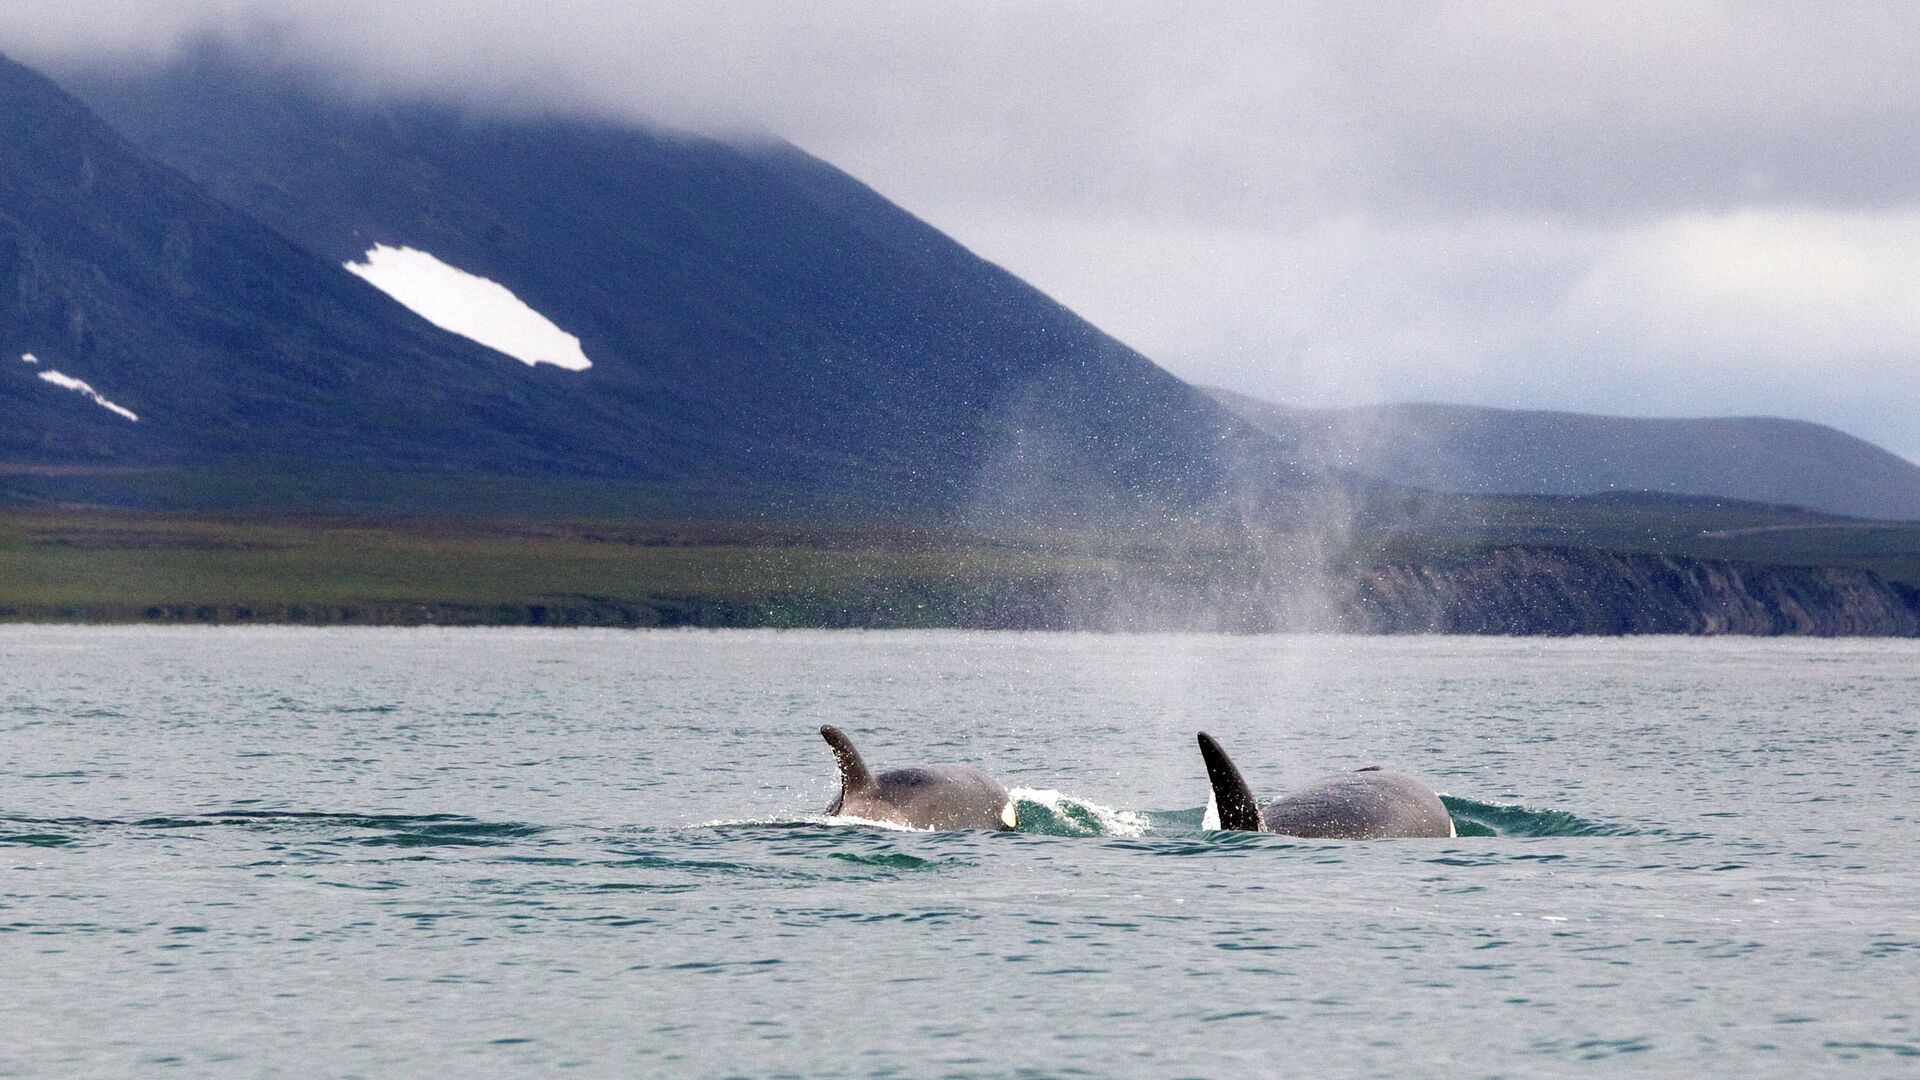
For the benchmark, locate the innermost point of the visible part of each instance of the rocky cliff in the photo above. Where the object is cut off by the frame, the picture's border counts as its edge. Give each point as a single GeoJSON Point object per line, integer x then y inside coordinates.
{"type": "Point", "coordinates": [1501, 590]}
{"type": "Point", "coordinates": [1524, 590]}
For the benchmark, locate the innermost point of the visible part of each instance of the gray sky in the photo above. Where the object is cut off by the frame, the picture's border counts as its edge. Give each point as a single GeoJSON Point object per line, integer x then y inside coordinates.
{"type": "Point", "coordinates": [1671, 208]}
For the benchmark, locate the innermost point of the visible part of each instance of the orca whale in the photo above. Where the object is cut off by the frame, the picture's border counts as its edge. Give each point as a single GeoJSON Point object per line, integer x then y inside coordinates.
{"type": "Point", "coordinates": [1367, 804]}
{"type": "Point", "coordinates": [921, 797]}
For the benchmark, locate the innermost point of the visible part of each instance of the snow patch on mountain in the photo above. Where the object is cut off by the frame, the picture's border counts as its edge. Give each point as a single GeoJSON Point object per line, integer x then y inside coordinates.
{"type": "Point", "coordinates": [469, 305]}
{"type": "Point", "coordinates": [70, 383]}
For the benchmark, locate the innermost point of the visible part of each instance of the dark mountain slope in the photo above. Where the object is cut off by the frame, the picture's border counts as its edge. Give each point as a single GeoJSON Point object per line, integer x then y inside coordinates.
{"type": "Point", "coordinates": [225, 338]}
{"type": "Point", "coordinates": [1481, 450]}
{"type": "Point", "coordinates": [750, 311]}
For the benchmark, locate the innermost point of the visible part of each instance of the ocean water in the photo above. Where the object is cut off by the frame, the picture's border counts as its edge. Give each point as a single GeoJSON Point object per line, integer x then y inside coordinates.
{"type": "Point", "coordinates": [384, 853]}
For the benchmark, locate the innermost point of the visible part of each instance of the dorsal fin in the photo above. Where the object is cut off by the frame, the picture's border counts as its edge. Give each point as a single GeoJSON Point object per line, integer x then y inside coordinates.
{"type": "Point", "coordinates": [854, 776]}
{"type": "Point", "coordinates": [1231, 796]}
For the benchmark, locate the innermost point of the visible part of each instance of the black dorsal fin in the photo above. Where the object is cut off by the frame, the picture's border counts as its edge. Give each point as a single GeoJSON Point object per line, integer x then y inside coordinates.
{"type": "Point", "coordinates": [854, 776]}
{"type": "Point", "coordinates": [1231, 796]}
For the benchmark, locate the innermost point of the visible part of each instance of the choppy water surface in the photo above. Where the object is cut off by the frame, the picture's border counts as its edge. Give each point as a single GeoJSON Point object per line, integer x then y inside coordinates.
{"type": "Point", "coordinates": [419, 852]}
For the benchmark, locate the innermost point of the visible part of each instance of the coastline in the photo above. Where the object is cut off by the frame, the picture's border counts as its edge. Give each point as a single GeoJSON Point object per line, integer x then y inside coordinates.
{"type": "Point", "coordinates": [119, 567]}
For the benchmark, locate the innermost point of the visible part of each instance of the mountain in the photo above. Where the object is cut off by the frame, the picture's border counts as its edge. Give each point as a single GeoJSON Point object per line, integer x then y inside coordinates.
{"type": "Point", "coordinates": [1464, 448]}
{"type": "Point", "coordinates": [752, 315]}
{"type": "Point", "coordinates": [144, 322]}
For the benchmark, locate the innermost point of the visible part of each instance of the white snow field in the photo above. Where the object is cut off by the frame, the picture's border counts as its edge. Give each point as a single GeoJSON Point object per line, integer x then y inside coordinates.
{"type": "Point", "coordinates": [469, 305]}
{"type": "Point", "coordinates": [71, 383]}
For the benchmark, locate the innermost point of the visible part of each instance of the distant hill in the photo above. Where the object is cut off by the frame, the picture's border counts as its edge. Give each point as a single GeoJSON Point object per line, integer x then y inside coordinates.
{"type": "Point", "coordinates": [753, 315]}
{"type": "Point", "coordinates": [1486, 451]}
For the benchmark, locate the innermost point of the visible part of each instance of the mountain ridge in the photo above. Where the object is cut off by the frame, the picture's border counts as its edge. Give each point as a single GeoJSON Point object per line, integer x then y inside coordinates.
{"type": "Point", "coordinates": [1489, 450]}
{"type": "Point", "coordinates": [753, 312]}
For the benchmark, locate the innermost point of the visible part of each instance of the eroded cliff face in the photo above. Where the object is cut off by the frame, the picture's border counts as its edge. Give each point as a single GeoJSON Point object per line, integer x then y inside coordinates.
{"type": "Point", "coordinates": [1506, 590]}
{"type": "Point", "coordinates": [1524, 590]}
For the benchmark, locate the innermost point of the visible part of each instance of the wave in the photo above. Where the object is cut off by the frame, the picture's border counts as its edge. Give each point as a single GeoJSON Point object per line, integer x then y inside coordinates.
{"type": "Point", "coordinates": [1472, 817]}
{"type": "Point", "coordinates": [35, 839]}
{"type": "Point", "coordinates": [1047, 812]}
{"type": "Point", "coordinates": [375, 830]}
{"type": "Point", "coordinates": [836, 821]}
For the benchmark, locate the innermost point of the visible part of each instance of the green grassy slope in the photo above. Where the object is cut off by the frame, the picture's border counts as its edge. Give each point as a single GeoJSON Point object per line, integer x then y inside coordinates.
{"type": "Point", "coordinates": [115, 566]}
{"type": "Point", "coordinates": [1662, 525]}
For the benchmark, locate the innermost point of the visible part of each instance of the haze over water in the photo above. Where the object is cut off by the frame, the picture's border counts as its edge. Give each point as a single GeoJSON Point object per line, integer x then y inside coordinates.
{"type": "Point", "coordinates": [426, 852]}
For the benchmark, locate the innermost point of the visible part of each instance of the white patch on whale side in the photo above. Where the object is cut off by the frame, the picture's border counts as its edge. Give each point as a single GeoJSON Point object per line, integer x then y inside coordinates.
{"type": "Point", "coordinates": [1009, 816]}
{"type": "Point", "coordinates": [68, 382]}
{"type": "Point", "coordinates": [469, 305]}
{"type": "Point", "coordinates": [1211, 819]}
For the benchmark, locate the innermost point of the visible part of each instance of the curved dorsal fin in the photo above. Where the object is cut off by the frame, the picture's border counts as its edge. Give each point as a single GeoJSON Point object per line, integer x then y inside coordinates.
{"type": "Point", "coordinates": [854, 776]}
{"type": "Point", "coordinates": [1231, 796]}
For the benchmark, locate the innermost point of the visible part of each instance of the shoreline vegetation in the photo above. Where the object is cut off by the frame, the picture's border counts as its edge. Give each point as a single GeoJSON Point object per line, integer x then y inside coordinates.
{"type": "Point", "coordinates": [1505, 576]}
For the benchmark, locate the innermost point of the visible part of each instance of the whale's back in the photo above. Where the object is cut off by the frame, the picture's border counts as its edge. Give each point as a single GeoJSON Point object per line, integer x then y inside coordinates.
{"type": "Point", "coordinates": [1366, 805]}
{"type": "Point", "coordinates": [936, 797]}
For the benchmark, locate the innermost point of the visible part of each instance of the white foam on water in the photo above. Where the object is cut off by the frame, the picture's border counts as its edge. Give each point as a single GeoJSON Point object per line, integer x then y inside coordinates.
{"type": "Point", "coordinates": [29, 358]}
{"type": "Point", "coordinates": [811, 819]}
{"type": "Point", "coordinates": [1112, 822]}
{"type": "Point", "coordinates": [469, 305]}
{"type": "Point", "coordinates": [70, 383]}
{"type": "Point", "coordinates": [870, 823]}
{"type": "Point", "coordinates": [1109, 822]}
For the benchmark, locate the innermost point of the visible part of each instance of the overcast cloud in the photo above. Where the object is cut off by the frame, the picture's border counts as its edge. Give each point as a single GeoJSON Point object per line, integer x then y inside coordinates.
{"type": "Point", "coordinates": [1667, 208]}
